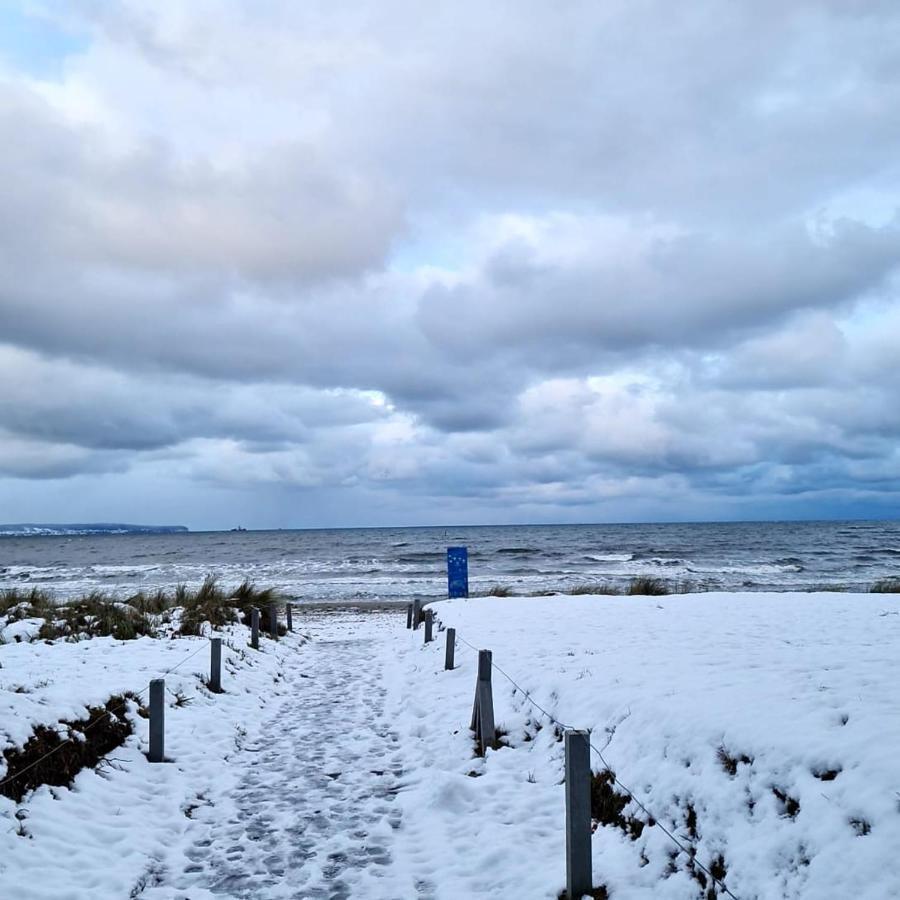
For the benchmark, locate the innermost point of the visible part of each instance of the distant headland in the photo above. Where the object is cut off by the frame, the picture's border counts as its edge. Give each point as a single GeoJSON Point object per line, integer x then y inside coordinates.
{"type": "Point", "coordinates": [40, 530]}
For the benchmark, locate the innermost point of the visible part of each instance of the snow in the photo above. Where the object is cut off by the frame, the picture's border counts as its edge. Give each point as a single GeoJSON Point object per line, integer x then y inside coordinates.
{"type": "Point", "coordinates": [343, 766]}
{"type": "Point", "coordinates": [109, 832]}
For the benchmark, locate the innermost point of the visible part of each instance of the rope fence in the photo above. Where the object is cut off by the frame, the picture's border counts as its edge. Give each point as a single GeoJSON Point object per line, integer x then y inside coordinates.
{"type": "Point", "coordinates": [156, 699]}
{"type": "Point", "coordinates": [457, 575]}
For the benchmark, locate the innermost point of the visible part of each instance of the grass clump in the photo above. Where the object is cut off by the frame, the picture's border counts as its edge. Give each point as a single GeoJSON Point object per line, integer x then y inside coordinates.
{"type": "Point", "coordinates": [886, 586]}
{"type": "Point", "coordinates": [18, 604]}
{"type": "Point", "coordinates": [247, 595]}
{"type": "Point", "coordinates": [96, 615]}
{"type": "Point", "coordinates": [207, 604]}
{"type": "Point", "coordinates": [91, 739]}
{"type": "Point", "coordinates": [583, 589]}
{"type": "Point", "coordinates": [647, 586]}
{"type": "Point", "coordinates": [729, 761]}
{"type": "Point", "coordinates": [210, 603]}
{"type": "Point", "coordinates": [144, 613]}
{"type": "Point", "coordinates": [152, 604]}
{"type": "Point", "coordinates": [608, 805]}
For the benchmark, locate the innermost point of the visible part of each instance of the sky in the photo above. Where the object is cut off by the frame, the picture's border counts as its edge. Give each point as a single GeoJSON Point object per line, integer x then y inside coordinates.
{"type": "Point", "coordinates": [280, 264]}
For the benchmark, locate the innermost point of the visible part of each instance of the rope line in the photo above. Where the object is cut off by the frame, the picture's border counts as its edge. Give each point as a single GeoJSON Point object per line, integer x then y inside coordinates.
{"type": "Point", "coordinates": [689, 851]}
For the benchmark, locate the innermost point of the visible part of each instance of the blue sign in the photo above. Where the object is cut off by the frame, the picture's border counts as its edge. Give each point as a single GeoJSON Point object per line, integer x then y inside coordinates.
{"type": "Point", "coordinates": [457, 572]}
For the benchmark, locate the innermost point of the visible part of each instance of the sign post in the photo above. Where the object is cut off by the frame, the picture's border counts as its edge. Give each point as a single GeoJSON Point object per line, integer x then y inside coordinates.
{"type": "Point", "coordinates": [457, 572]}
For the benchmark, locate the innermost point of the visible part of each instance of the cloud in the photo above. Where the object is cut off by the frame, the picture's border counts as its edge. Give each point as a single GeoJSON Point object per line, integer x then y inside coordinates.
{"type": "Point", "coordinates": [501, 262]}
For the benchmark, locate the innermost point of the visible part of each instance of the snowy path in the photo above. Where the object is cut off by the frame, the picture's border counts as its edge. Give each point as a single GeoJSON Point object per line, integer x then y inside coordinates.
{"type": "Point", "coordinates": [313, 812]}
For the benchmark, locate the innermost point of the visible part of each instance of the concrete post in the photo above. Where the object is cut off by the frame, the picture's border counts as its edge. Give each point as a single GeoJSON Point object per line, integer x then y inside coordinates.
{"type": "Point", "coordinates": [409, 614]}
{"type": "Point", "coordinates": [215, 665]}
{"type": "Point", "coordinates": [254, 628]}
{"type": "Point", "coordinates": [157, 720]}
{"type": "Point", "coordinates": [289, 612]}
{"type": "Point", "coordinates": [579, 875]}
{"type": "Point", "coordinates": [429, 626]}
{"type": "Point", "coordinates": [273, 622]}
{"type": "Point", "coordinates": [484, 669]}
{"type": "Point", "coordinates": [483, 711]}
{"type": "Point", "coordinates": [450, 650]}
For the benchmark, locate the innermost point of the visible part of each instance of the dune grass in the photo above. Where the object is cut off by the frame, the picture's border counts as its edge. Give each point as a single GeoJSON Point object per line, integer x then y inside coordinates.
{"type": "Point", "coordinates": [16, 603]}
{"type": "Point", "coordinates": [210, 603]}
{"type": "Point", "coordinates": [646, 585]}
{"type": "Point", "coordinates": [185, 611]}
{"type": "Point", "coordinates": [889, 585]}
{"type": "Point", "coordinates": [96, 615]}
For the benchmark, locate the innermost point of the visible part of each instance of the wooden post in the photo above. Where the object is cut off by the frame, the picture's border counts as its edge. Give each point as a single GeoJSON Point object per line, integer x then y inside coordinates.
{"type": "Point", "coordinates": [273, 622]}
{"type": "Point", "coordinates": [450, 650]}
{"type": "Point", "coordinates": [579, 875]}
{"type": "Point", "coordinates": [215, 665]}
{"type": "Point", "coordinates": [409, 610]}
{"type": "Point", "coordinates": [157, 720]}
{"type": "Point", "coordinates": [483, 710]}
{"type": "Point", "coordinates": [289, 613]}
{"type": "Point", "coordinates": [429, 626]}
{"type": "Point", "coordinates": [254, 628]}
{"type": "Point", "coordinates": [417, 613]}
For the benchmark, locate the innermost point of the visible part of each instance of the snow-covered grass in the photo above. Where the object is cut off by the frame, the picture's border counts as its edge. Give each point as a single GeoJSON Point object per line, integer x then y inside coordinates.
{"type": "Point", "coordinates": [157, 613]}
{"type": "Point", "coordinates": [763, 729]}
{"type": "Point", "coordinates": [102, 837]}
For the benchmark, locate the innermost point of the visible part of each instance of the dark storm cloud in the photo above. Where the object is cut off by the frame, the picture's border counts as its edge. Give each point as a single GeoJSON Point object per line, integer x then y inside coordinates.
{"type": "Point", "coordinates": [603, 254]}
{"type": "Point", "coordinates": [688, 290]}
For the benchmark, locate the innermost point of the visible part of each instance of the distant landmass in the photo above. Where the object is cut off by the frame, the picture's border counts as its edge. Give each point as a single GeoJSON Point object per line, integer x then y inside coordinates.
{"type": "Point", "coordinates": [36, 530]}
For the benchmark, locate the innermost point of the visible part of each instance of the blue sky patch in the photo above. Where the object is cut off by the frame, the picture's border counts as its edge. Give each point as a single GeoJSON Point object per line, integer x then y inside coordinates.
{"type": "Point", "coordinates": [35, 44]}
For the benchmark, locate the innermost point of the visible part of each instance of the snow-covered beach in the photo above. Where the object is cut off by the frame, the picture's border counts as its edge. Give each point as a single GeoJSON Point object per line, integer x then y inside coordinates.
{"type": "Point", "coordinates": [760, 728]}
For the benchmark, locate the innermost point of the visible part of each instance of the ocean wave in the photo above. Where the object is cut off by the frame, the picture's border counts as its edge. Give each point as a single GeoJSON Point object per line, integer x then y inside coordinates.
{"type": "Point", "coordinates": [419, 556]}
{"type": "Point", "coordinates": [657, 553]}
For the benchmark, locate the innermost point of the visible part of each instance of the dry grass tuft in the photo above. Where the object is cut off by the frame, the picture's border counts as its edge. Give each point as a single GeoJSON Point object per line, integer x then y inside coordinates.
{"type": "Point", "coordinates": [218, 607]}
{"type": "Point", "coordinates": [647, 586]}
{"type": "Point", "coordinates": [889, 585]}
{"type": "Point", "coordinates": [33, 602]}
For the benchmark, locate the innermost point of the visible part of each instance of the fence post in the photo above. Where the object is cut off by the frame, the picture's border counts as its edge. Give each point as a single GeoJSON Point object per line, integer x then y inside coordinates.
{"type": "Point", "coordinates": [409, 610]}
{"type": "Point", "coordinates": [450, 650]}
{"type": "Point", "coordinates": [579, 875]}
{"type": "Point", "coordinates": [215, 665]}
{"type": "Point", "coordinates": [273, 622]}
{"type": "Point", "coordinates": [289, 612]}
{"type": "Point", "coordinates": [417, 613]}
{"type": "Point", "coordinates": [254, 628]}
{"type": "Point", "coordinates": [157, 720]}
{"type": "Point", "coordinates": [483, 710]}
{"type": "Point", "coordinates": [429, 626]}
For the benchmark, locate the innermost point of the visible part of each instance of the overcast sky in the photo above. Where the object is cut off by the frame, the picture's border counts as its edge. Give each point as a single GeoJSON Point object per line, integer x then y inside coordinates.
{"type": "Point", "coordinates": [282, 264]}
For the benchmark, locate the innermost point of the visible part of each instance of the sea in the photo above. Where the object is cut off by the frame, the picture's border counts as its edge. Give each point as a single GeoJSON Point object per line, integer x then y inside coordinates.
{"type": "Point", "coordinates": [383, 564]}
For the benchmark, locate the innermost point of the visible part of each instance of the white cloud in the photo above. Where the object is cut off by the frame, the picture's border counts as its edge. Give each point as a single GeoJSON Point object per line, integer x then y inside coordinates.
{"type": "Point", "coordinates": [606, 258]}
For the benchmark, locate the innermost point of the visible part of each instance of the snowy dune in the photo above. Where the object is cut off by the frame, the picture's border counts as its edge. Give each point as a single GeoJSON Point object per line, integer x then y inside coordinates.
{"type": "Point", "coordinates": [801, 684]}
{"type": "Point", "coordinates": [109, 833]}
{"type": "Point", "coordinates": [344, 767]}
